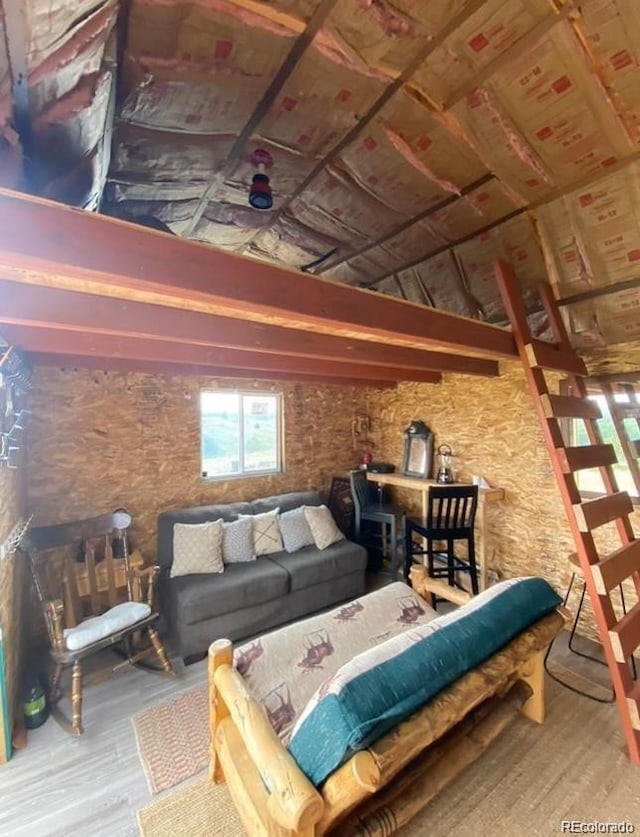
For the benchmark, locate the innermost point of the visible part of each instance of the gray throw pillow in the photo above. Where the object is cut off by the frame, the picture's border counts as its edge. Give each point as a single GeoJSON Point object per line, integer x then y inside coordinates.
{"type": "Point", "coordinates": [295, 530]}
{"type": "Point", "coordinates": [237, 541]}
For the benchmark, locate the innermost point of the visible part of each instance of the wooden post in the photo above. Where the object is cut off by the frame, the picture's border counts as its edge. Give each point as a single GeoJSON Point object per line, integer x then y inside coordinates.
{"type": "Point", "coordinates": [76, 699]}
{"type": "Point", "coordinates": [111, 575]}
{"type": "Point", "coordinates": [54, 683]}
{"type": "Point", "coordinates": [293, 801]}
{"type": "Point", "coordinates": [533, 675]}
{"type": "Point", "coordinates": [158, 647]}
{"type": "Point", "coordinates": [347, 786]}
{"type": "Point", "coordinates": [220, 653]}
{"type": "Point", "coordinates": [418, 577]}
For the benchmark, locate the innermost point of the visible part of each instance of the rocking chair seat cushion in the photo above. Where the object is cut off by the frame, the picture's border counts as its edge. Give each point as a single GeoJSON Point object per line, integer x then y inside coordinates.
{"type": "Point", "coordinates": [98, 627]}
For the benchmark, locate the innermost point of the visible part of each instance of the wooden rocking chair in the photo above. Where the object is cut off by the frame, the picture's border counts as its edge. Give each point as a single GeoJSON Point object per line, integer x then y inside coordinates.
{"type": "Point", "coordinates": [90, 604]}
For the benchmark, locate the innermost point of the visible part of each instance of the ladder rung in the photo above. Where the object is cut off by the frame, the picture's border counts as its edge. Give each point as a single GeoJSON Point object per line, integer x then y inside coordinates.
{"type": "Point", "coordinates": [594, 513]}
{"type": "Point", "coordinates": [625, 636]}
{"type": "Point", "coordinates": [548, 356]}
{"type": "Point", "coordinates": [612, 570]}
{"type": "Point", "coordinates": [568, 406]}
{"type": "Point", "coordinates": [633, 702]}
{"type": "Point", "coordinates": [586, 456]}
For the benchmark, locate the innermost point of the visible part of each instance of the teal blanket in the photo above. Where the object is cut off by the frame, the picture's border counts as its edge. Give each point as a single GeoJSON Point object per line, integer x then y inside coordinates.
{"type": "Point", "coordinates": [376, 690]}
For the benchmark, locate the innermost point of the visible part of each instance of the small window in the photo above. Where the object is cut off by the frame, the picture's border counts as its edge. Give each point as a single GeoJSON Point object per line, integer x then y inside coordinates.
{"type": "Point", "coordinates": [589, 481]}
{"type": "Point", "coordinates": [240, 433]}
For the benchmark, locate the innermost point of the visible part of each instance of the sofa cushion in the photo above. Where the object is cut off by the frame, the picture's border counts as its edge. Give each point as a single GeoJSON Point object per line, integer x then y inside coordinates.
{"type": "Point", "coordinates": [286, 502]}
{"type": "Point", "coordinates": [309, 565]}
{"type": "Point", "coordinates": [197, 514]}
{"type": "Point", "coordinates": [295, 530]}
{"type": "Point", "coordinates": [197, 548]}
{"type": "Point", "coordinates": [240, 586]}
{"type": "Point", "coordinates": [237, 541]}
{"type": "Point", "coordinates": [380, 687]}
{"type": "Point", "coordinates": [323, 527]}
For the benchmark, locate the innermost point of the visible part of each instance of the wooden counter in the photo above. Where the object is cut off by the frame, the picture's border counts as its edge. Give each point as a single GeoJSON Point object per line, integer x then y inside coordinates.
{"type": "Point", "coordinates": [485, 495]}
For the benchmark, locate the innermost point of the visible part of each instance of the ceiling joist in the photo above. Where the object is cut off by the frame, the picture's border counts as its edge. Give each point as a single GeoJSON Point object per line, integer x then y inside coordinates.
{"type": "Point", "coordinates": [43, 243]}
{"type": "Point", "coordinates": [85, 344]}
{"type": "Point", "coordinates": [108, 364]}
{"type": "Point", "coordinates": [43, 307]}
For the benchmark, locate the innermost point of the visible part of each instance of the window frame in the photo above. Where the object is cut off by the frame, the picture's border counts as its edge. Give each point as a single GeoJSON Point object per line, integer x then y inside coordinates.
{"type": "Point", "coordinates": [570, 431]}
{"type": "Point", "coordinates": [244, 474]}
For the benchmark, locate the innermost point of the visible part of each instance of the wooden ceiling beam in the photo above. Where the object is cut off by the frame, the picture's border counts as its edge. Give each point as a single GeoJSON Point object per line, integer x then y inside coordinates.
{"type": "Point", "coordinates": [44, 243]}
{"type": "Point", "coordinates": [61, 342]}
{"type": "Point", "coordinates": [110, 364]}
{"type": "Point", "coordinates": [40, 307]}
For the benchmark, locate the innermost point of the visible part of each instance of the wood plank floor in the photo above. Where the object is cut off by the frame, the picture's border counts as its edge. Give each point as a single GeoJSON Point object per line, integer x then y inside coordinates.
{"type": "Point", "coordinates": [92, 786]}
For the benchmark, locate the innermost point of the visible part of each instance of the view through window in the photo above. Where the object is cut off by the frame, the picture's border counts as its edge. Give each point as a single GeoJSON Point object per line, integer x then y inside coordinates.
{"type": "Point", "coordinates": [590, 480]}
{"type": "Point", "coordinates": [240, 433]}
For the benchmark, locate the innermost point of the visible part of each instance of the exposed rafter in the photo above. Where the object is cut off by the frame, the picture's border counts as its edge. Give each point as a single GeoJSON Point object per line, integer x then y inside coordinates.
{"type": "Point", "coordinates": [300, 46]}
{"type": "Point", "coordinates": [422, 216]}
{"type": "Point", "coordinates": [467, 11]}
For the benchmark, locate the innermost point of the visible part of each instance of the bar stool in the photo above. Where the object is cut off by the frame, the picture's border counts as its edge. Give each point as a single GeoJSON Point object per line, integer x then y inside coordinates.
{"type": "Point", "coordinates": [576, 570]}
{"type": "Point", "coordinates": [450, 517]}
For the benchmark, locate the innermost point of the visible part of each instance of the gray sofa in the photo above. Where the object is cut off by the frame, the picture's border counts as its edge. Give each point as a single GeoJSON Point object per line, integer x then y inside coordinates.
{"type": "Point", "coordinates": [250, 597]}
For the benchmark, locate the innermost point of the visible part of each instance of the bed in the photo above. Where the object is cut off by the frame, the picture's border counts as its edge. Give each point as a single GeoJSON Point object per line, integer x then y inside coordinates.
{"type": "Point", "coordinates": [273, 706]}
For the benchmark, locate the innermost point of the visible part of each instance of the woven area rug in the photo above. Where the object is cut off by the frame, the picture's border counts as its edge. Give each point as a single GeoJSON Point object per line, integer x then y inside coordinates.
{"type": "Point", "coordinates": [173, 739]}
{"type": "Point", "coordinates": [529, 781]}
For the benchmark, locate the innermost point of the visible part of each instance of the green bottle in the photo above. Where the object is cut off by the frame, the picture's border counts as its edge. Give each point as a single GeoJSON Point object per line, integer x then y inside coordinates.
{"type": "Point", "coordinates": [35, 708]}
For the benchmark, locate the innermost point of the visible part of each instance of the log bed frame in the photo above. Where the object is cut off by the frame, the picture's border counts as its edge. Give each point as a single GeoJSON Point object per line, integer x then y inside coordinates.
{"type": "Point", "coordinates": [379, 789]}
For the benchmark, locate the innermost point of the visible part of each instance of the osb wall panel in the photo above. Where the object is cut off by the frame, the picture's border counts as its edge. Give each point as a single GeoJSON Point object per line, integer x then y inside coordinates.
{"type": "Point", "coordinates": [12, 577]}
{"type": "Point", "coordinates": [492, 428]}
{"type": "Point", "coordinates": [103, 440]}
{"type": "Point", "coordinates": [99, 441]}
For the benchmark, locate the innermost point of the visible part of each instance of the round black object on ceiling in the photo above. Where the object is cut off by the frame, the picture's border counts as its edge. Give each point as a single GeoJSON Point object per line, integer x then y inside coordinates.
{"type": "Point", "coordinates": [260, 193]}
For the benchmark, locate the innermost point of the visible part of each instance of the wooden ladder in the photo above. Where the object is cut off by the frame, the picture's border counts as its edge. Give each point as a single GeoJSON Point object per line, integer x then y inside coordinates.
{"type": "Point", "coordinates": [602, 573]}
{"type": "Point", "coordinates": [619, 412]}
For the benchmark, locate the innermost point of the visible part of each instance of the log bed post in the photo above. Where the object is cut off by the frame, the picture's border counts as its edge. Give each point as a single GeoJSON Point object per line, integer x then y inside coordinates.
{"type": "Point", "coordinates": [220, 653]}
{"type": "Point", "coordinates": [279, 795]}
{"type": "Point", "coordinates": [532, 673]}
